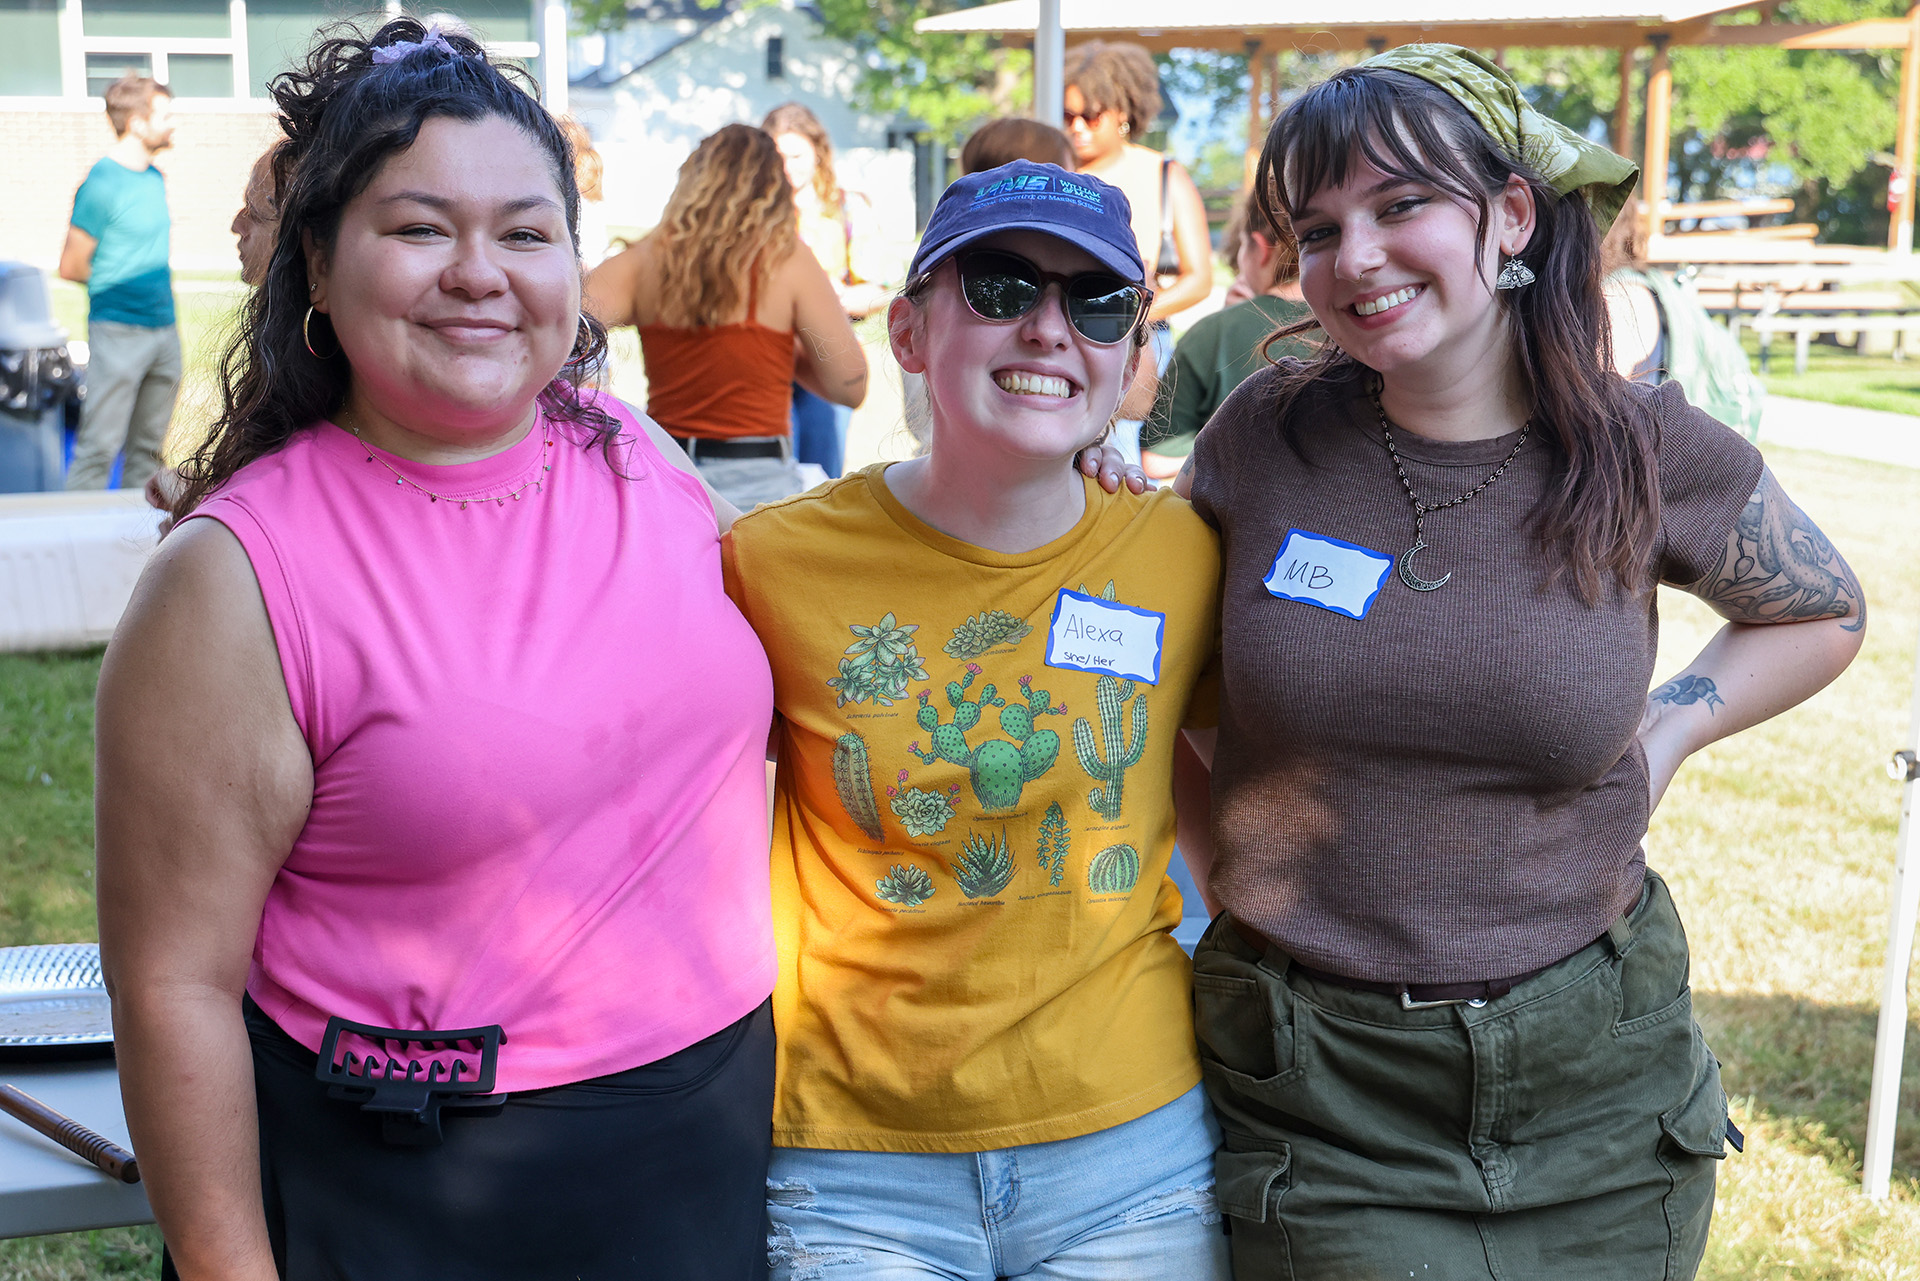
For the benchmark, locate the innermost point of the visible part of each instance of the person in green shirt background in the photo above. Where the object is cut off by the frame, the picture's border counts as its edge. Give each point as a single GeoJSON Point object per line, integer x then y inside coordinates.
{"type": "Point", "coordinates": [1223, 349]}
{"type": "Point", "coordinates": [117, 247]}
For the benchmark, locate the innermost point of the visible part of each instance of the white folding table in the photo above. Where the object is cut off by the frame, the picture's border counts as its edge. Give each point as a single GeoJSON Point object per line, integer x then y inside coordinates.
{"type": "Point", "coordinates": [44, 1187]}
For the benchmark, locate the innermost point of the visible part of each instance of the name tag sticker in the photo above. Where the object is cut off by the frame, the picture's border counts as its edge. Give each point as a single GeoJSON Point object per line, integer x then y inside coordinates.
{"type": "Point", "coordinates": [1104, 637]}
{"type": "Point", "coordinates": [1316, 570]}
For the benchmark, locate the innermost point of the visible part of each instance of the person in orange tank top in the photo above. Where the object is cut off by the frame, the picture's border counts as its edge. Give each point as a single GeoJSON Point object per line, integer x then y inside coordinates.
{"type": "Point", "coordinates": [731, 312]}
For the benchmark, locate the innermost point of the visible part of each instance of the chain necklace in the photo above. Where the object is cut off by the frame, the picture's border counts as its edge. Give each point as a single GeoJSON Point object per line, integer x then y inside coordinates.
{"type": "Point", "coordinates": [536, 484]}
{"type": "Point", "coordinates": [1421, 509]}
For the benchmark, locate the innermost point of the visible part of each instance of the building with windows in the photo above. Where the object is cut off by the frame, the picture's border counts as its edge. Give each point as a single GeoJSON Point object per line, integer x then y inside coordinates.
{"type": "Point", "coordinates": [680, 69]}
{"type": "Point", "coordinates": [56, 56]}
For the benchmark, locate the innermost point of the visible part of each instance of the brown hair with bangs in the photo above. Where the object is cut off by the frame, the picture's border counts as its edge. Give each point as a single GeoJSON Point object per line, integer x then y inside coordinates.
{"type": "Point", "coordinates": [1601, 513]}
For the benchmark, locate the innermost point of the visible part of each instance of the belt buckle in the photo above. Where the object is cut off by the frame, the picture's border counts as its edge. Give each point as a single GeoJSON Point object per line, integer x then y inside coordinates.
{"type": "Point", "coordinates": [407, 1077]}
{"type": "Point", "coordinates": [1408, 1003]}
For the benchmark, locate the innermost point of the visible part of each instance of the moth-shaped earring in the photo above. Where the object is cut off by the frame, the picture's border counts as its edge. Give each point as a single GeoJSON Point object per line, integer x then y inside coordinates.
{"type": "Point", "coordinates": [1515, 275]}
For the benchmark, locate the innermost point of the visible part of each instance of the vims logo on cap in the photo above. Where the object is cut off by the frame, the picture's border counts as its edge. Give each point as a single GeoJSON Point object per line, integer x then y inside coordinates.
{"type": "Point", "coordinates": [1041, 185]}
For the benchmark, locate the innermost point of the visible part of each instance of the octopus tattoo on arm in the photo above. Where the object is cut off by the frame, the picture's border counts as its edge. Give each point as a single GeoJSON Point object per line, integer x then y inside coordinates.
{"type": "Point", "coordinates": [1779, 568]}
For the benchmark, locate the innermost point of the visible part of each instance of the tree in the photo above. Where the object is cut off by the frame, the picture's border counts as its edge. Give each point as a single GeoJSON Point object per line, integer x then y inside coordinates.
{"type": "Point", "coordinates": [1753, 119]}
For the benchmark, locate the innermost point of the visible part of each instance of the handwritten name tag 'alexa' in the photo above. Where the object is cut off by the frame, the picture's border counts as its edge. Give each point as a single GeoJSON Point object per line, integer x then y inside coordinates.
{"type": "Point", "coordinates": [1317, 570]}
{"type": "Point", "coordinates": [1102, 636]}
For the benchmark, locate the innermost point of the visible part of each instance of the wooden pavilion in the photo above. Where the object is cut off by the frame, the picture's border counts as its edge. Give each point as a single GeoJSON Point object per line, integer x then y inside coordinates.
{"type": "Point", "coordinates": [1263, 28]}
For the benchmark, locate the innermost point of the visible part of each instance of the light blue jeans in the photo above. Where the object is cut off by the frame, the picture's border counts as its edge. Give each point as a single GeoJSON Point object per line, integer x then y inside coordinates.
{"type": "Point", "coordinates": [1130, 1203]}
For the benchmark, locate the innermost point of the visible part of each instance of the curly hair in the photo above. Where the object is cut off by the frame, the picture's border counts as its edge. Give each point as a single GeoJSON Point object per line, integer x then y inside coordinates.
{"type": "Point", "coordinates": [344, 115]}
{"type": "Point", "coordinates": [1117, 77]}
{"type": "Point", "coordinates": [1600, 517]}
{"type": "Point", "coordinates": [791, 117]}
{"type": "Point", "coordinates": [729, 221]}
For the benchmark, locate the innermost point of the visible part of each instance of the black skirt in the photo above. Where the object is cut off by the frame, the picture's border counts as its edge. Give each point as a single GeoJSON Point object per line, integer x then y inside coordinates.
{"type": "Point", "coordinates": [658, 1171]}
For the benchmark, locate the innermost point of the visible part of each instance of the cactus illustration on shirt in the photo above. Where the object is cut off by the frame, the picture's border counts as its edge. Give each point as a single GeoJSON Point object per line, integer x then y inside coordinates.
{"type": "Point", "coordinates": [997, 769]}
{"type": "Point", "coordinates": [879, 665]}
{"type": "Point", "coordinates": [1054, 843]}
{"type": "Point", "coordinates": [984, 867]}
{"type": "Point", "coordinates": [1106, 593]}
{"type": "Point", "coordinates": [907, 886]}
{"type": "Point", "coordinates": [853, 779]}
{"type": "Point", "coordinates": [983, 631]}
{"type": "Point", "coordinates": [1121, 752]}
{"type": "Point", "coordinates": [1115, 870]}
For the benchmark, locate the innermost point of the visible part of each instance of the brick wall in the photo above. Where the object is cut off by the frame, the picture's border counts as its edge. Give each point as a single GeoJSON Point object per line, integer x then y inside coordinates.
{"type": "Point", "coordinates": [206, 172]}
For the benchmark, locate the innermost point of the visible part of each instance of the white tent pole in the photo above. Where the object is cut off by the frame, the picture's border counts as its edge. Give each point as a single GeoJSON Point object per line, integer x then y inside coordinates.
{"type": "Point", "coordinates": [1889, 1043]}
{"type": "Point", "coordinates": [1049, 65]}
{"type": "Point", "coordinates": [553, 54]}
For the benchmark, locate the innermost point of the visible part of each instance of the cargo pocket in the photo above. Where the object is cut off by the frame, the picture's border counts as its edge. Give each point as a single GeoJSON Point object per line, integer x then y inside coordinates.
{"type": "Point", "coordinates": [1250, 1186]}
{"type": "Point", "coordinates": [1693, 1137]}
{"type": "Point", "coordinates": [1699, 1126]}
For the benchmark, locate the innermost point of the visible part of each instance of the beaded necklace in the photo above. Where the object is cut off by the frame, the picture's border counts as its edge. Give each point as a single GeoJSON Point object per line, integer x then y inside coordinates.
{"type": "Point", "coordinates": [537, 484]}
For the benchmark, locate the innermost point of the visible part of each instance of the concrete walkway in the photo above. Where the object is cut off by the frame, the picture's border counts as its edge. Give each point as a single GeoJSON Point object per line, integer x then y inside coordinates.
{"type": "Point", "coordinates": [1873, 434]}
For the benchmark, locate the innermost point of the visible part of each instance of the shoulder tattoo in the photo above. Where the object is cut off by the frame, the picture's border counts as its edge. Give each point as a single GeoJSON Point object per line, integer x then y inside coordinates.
{"type": "Point", "coordinates": [1779, 568]}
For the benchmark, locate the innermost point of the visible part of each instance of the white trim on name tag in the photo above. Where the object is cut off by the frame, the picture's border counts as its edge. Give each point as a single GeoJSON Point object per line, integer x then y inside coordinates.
{"type": "Point", "coordinates": [1104, 637]}
{"type": "Point", "coordinates": [1328, 572]}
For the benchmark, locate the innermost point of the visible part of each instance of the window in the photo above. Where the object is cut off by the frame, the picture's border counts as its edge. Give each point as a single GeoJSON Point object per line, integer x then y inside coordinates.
{"type": "Point", "coordinates": [776, 58]}
{"type": "Point", "coordinates": [278, 32]}
{"type": "Point", "coordinates": [105, 68]}
{"type": "Point", "coordinates": [30, 47]}
{"type": "Point", "coordinates": [156, 19]}
{"type": "Point", "coordinates": [200, 75]}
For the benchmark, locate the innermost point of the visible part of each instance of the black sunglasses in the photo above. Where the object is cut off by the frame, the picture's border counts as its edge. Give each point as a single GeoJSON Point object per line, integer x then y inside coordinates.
{"type": "Point", "coordinates": [1003, 287]}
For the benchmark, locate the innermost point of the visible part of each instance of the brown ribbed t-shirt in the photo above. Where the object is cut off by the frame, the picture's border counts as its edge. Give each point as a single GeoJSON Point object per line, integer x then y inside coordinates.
{"type": "Point", "coordinates": [1448, 789]}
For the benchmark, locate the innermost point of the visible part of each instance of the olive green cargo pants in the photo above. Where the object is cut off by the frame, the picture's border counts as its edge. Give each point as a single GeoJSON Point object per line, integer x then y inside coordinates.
{"type": "Point", "coordinates": [1567, 1130]}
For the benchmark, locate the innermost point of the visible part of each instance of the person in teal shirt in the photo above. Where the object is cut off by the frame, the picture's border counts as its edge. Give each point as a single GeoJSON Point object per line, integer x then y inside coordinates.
{"type": "Point", "coordinates": [117, 246]}
{"type": "Point", "coordinates": [1224, 349]}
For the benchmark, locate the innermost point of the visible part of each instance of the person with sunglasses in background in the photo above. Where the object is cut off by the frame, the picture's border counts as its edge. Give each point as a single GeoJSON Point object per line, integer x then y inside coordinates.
{"type": "Point", "coordinates": [982, 668]}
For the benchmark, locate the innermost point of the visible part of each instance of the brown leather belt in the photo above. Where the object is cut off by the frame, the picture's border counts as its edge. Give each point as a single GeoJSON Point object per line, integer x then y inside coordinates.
{"type": "Point", "coordinates": [1412, 995]}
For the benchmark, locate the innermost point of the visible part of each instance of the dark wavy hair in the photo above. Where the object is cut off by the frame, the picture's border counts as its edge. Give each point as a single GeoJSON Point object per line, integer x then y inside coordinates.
{"type": "Point", "coordinates": [344, 115]}
{"type": "Point", "coordinates": [1601, 512]}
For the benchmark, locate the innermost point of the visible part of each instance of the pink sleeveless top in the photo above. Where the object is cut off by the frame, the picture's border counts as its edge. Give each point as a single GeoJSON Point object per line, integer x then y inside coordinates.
{"type": "Point", "coordinates": [538, 730]}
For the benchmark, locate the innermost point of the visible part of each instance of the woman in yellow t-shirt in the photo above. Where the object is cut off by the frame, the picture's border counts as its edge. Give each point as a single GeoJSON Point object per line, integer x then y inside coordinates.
{"type": "Point", "coordinates": [982, 663]}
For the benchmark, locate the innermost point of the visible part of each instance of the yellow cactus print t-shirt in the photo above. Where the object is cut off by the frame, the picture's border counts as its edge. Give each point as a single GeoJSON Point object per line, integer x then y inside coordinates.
{"type": "Point", "coordinates": [973, 815]}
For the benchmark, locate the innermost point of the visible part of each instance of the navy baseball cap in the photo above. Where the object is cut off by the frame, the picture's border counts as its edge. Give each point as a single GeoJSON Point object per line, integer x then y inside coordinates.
{"type": "Point", "coordinates": [1026, 196]}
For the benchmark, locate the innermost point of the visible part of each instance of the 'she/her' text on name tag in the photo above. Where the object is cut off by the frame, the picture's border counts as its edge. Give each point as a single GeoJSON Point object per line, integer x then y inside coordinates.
{"type": "Point", "coordinates": [1105, 637]}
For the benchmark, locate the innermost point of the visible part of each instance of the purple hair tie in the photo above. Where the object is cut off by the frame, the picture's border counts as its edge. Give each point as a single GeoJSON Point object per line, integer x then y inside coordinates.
{"type": "Point", "coordinates": [405, 48]}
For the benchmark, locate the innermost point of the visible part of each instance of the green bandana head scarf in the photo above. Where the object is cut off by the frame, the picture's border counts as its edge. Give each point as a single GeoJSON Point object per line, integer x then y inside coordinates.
{"type": "Point", "coordinates": [1566, 160]}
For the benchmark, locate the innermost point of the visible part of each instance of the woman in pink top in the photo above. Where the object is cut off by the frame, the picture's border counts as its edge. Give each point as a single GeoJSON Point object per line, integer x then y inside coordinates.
{"type": "Point", "coordinates": [431, 715]}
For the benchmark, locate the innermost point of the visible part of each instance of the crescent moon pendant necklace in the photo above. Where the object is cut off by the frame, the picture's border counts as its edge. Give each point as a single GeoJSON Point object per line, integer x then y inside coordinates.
{"type": "Point", "coordinates": [1404, 564]}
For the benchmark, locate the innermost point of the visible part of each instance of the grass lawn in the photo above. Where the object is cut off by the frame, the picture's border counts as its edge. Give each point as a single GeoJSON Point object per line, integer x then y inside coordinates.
{"type": "Point", "coordinates": [1778, 845]}
{"type": "Point", "coordinates": [1838, 376]}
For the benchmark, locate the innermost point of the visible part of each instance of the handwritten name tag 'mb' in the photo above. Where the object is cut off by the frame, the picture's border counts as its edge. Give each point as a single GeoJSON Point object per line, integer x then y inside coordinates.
{"type": "Point", "coordinates": [1316, 570]}
{"type": "Point", "coordinates": [1102, 636]}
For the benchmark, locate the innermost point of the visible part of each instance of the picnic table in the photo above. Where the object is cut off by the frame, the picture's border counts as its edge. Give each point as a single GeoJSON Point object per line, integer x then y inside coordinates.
{"type": "Point", "coordinates": [44, 1187]}
{"type": "Point", "coordinates": [1803, 290]}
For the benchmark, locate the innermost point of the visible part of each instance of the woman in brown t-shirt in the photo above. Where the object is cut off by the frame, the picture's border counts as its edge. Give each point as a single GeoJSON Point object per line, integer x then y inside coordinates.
{"type": "Point", "coordinates": [1445, 1018]}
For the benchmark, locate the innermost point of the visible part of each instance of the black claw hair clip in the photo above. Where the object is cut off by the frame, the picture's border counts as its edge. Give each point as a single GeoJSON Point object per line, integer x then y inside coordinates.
{"type": "Point", "coordinates": [412, 1075]}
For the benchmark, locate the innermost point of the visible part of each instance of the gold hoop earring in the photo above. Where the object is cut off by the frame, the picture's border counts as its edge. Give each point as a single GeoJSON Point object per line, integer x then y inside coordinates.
{"type": "Point", "coordinates": [1126, 127]}
{"type": "Point", "coordinates": [306, 336]}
